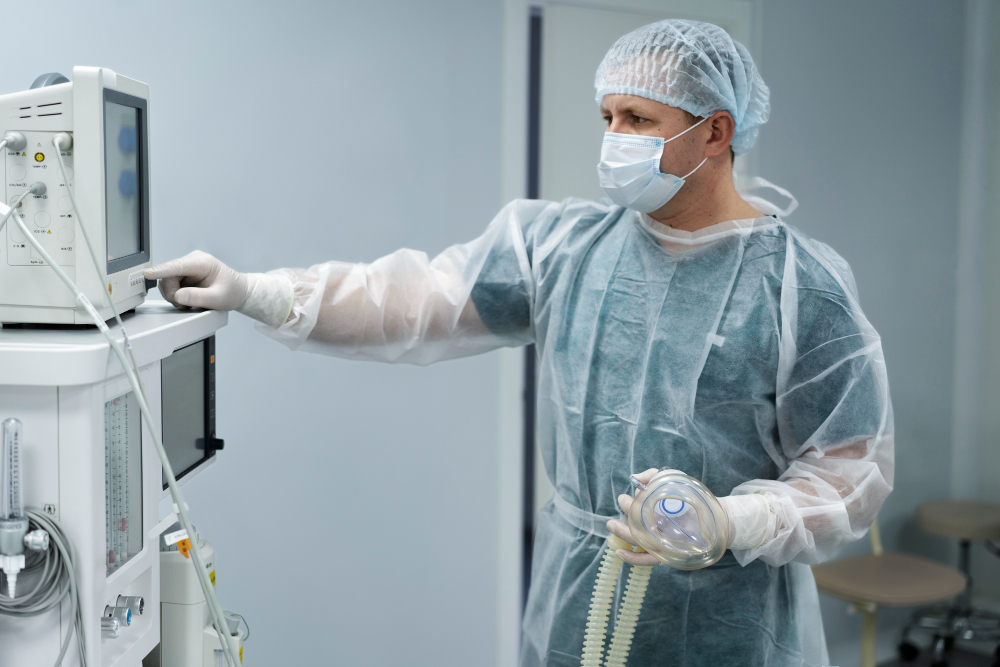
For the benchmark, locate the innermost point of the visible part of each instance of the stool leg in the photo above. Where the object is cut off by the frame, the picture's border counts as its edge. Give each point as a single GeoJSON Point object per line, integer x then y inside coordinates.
{"type": "Point", "coordinates": [868, 633]}
{"type": "Point", "coordinates": [965, 565]}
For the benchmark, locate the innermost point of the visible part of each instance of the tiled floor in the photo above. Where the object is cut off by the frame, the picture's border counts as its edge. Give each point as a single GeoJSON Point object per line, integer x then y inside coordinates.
{"type": "Point", "coordinates": [959, 658]}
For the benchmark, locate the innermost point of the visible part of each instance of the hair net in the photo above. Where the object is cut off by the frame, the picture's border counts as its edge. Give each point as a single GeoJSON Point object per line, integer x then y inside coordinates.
{"type": "Point", "coordinates": [690, 65]}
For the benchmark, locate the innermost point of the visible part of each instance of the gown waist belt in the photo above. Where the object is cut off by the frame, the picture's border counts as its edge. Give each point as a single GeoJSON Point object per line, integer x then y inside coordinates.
{"type": "Point", "coordinates": [595, 524]}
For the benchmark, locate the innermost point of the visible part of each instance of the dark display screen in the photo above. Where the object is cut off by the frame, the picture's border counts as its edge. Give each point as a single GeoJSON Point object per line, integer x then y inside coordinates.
{"type": "Point", "coordinates": [187, 381]}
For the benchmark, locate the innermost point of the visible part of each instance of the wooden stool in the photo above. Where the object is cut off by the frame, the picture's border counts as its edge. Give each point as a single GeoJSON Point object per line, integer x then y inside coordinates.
{"type": "Point", "coordinates": [886, 580]}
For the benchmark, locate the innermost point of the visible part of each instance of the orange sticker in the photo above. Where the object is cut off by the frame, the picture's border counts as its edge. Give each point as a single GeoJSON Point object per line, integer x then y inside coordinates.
{"type": "Point", "coordinates": [184, 546]}
{"type": "Point", "coordinates": [211, 359]}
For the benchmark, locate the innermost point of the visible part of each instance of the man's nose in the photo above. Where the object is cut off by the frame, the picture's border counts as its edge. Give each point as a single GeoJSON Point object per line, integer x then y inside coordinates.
{"type": "Point", "coordinates": [619, 125]}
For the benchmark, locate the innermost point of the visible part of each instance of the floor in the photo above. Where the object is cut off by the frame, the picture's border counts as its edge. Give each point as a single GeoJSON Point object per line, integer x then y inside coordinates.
{"type": "Point", "coordinates": [959, 658]}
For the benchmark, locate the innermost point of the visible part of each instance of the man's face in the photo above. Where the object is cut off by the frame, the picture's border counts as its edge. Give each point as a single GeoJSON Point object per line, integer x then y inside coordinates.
{"type": "Point", "coordinates": [629, 114]}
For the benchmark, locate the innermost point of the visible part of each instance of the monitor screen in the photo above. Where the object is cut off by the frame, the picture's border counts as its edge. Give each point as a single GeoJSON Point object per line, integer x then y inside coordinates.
{"type": "Point", "coordinates": [126, 180]}
{"type": "Point", "coordinates": [187, 382]}
{"type": "Point", "coordinates": [121, 142]}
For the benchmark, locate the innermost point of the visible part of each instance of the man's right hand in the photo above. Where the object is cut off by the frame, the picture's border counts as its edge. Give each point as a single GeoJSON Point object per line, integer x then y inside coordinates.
{"type": "Point", "coordinates": [198, 280]}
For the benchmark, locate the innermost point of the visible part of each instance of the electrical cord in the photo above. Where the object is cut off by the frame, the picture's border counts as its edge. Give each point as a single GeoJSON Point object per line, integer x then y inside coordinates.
{"type": "Point", "coordinates": [247, 625]}
{"type": "Point", "coordinates": [61, 142]}
{"type": "Point", "coordinates": [13, 207]}
{"type": "Point", "coordinates": [215, 607]}
{"type": "Point", "coordinates": [55, 570]}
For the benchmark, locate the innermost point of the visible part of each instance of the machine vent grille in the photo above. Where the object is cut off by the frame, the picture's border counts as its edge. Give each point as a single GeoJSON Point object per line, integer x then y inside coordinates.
{"type": "Point", "coordinates": [25, 112]}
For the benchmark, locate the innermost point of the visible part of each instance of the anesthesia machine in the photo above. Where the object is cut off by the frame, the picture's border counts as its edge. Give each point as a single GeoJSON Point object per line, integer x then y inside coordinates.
{"type": "Point", "coordinates": [99, 423]}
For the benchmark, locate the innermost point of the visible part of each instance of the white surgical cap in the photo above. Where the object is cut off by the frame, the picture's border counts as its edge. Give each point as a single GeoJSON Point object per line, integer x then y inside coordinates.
{"type": "Point", "coordinates": [690, 65]}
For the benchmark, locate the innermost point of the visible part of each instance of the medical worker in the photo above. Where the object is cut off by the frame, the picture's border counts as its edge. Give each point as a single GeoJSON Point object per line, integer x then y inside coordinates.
{"type": "Point", "coordinates": [678, 324]}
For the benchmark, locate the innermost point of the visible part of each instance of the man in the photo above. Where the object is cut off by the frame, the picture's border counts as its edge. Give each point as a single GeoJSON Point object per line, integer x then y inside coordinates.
{"type": "Point", "coordinates": [705, 336]}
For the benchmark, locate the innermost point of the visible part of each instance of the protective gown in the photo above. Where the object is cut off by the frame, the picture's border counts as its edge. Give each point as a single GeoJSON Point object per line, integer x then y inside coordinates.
{"type": "Point", "coordinates": [737, 354]}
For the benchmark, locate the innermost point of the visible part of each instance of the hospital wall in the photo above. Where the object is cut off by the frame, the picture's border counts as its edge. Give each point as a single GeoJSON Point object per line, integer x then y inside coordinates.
{"type": "Point", "coordinates": [865, 130]}
{"type": "Point", "coordinates": [353, 508]}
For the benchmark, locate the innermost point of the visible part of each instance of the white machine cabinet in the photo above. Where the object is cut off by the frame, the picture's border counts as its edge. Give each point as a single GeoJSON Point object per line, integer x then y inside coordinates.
{"type": "Point", "coordinates": [88, 461]}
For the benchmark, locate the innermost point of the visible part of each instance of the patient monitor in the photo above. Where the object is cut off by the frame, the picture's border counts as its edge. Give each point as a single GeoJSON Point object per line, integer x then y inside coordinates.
{"type": "Point", "coordinates": [107, 117]}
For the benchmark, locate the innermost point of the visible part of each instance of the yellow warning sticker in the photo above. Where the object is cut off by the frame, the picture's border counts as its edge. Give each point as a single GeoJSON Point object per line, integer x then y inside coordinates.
{"type": "Point", "coordinates": [241, 655]}
{"type": "Point", "coordinates": [211, 575]}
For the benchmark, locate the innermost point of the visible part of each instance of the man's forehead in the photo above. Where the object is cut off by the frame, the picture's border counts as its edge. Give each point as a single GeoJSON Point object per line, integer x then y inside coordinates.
{"type": "Point", "coordinates": [622, 103]}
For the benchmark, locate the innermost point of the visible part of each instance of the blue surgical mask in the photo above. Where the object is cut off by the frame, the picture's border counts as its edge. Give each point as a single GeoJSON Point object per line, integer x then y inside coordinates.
{"type": "Point", "coordinates": [630, 170]}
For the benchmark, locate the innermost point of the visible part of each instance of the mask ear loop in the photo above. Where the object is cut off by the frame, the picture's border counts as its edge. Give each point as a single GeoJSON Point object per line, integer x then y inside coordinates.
{"type": "Point", "coordinates": [682, 134]}
{"type": "Point", "coordinates": [684, 178]}
{"type": "Point", "coordinates": [667, 141]}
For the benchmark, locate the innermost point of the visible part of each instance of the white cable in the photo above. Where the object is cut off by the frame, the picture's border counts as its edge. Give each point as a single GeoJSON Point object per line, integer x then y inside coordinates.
{"type": "Point", "coordinates": [13, 208]}
{"type": "Point", "coordinates": [229, 644]}
{"type": "Point", "coordinates": [93, 256]}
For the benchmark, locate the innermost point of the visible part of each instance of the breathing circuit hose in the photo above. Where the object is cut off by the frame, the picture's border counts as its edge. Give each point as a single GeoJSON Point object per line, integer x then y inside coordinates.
{"type": "Point", "coordinates": [600, 608]}
{"type": "Point", "coordinates": [628, 615]}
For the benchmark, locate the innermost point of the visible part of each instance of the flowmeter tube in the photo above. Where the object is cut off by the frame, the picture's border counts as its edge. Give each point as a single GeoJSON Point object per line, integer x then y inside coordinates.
{"type": "Point", "coordinates": [13, 522]}
{"type": "Point", "coordinates": [12, 506]}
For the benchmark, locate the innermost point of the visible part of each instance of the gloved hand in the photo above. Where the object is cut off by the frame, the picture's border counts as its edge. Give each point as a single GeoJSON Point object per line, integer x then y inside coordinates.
{"type": "Point", "coordinates": [750, 522]}
{"type": "Point", "coordinates": [622, 530]}
{"type": "Point", "coordinates": [199, 280]}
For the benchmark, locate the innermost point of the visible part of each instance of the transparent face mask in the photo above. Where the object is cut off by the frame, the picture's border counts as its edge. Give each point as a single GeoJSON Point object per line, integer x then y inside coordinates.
{"type": "Point", "coordinates": [677, 519]}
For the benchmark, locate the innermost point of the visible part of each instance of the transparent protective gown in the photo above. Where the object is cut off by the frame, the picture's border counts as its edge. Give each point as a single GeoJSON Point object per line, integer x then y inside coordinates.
{"type": "Point", "coordinates": [737, 354]}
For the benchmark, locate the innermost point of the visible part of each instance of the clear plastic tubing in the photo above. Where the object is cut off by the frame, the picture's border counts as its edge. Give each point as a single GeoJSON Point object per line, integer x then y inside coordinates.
{"type": "Point", "coordinates": [677, 519]}
{"type": "Point", "coordinates": [628, 615]}
{"type": "Point", "coordinates": [600, 603]}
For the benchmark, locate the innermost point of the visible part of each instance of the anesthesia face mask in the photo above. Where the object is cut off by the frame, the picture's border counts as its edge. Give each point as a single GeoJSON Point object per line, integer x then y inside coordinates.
{"type": "Point", "coordinates": [677, 519]}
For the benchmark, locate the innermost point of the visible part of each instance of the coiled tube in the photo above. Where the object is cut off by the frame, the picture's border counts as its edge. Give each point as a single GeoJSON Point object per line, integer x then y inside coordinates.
{"type": "Point", "coordinates": [600, 606]}
{"type": "Point", "coordinates": [628, 615]}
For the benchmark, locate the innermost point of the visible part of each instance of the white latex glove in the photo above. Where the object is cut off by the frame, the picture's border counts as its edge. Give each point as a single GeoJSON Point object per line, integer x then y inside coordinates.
{"type": "Point", "coordinates": [750, 522]}
{"type": "Point", "coordinates": [198, 280]}
{"type": "Point", "coordinates": [621, 529]}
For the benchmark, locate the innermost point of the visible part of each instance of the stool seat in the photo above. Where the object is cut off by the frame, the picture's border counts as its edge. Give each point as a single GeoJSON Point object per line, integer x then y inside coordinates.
{"type": "Point", "coordinates": [960, 519]}
{"type": "Point", "coordinates": [889, 580]}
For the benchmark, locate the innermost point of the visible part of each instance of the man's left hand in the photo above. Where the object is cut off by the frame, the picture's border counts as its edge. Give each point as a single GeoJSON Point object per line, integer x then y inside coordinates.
{"type": "Point", "coordinates": [621, 530]}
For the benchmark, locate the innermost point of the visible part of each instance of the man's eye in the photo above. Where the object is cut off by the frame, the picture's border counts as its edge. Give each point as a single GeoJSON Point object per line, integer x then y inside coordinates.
{"type": "Point", "coordinates": [607, 119]}
{"type": "Point", "coordinates": [639, 119]}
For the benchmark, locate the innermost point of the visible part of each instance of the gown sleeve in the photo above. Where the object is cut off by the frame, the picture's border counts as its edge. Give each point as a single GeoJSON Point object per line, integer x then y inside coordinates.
{"type": "Point", "coordinates": [834, 415]}
{"type": "Point", "coordinates": [404, 307]}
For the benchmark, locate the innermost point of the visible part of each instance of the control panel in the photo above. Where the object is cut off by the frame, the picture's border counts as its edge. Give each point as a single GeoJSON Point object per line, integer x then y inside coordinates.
{"type": "Point", "coordinates": [50, 217]}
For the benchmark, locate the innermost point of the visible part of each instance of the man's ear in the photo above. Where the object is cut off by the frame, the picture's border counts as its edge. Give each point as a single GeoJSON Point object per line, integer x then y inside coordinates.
{"type": "Point", "coordinates": [723, 128]}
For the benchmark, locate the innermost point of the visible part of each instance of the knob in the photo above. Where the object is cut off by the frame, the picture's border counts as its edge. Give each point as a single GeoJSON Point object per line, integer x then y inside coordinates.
{"type": "Point", "coordinates": [122, 614]}
{"type": "Point", "coordinates": [110, 628]}
{"type": "Point", "coordinates": [134, 603]}
{"type": "Point", "coordinates": [37, 540]}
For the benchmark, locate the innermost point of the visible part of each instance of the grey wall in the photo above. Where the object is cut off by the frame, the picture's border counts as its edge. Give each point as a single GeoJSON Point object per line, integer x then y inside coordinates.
{"type": "Point", "coordinates": [865, 131]}
{"type": "Point", "coordinates": [353, 510]}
